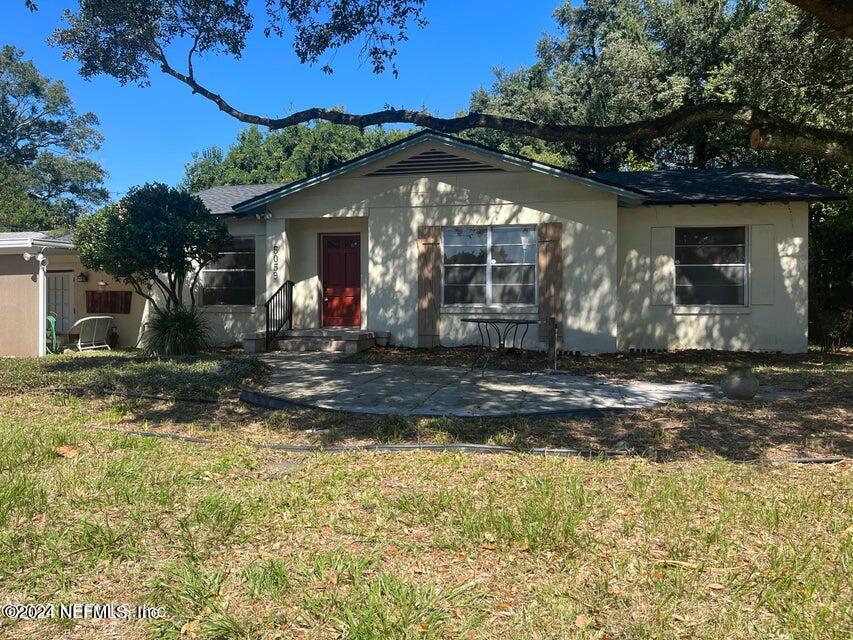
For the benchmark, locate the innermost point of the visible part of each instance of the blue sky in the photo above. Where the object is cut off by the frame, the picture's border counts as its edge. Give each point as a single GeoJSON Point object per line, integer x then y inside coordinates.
{"type": "Point", "coordinates": [150, 133]}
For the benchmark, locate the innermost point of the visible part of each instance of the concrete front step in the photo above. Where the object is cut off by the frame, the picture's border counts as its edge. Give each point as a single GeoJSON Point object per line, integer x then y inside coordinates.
{"type": "Point", "coordinates": [341, 333]}
{"type": "Point", "coordinates": [329, 340]}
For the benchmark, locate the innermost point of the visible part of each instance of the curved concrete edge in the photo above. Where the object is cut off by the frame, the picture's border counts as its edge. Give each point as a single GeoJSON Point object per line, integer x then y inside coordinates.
{"type": "Point", "coordinates": [269, 401]}
{"type": "Point", "coordinates": [451, 447]}
{"type": "Point", "coordinates": [458, 447]}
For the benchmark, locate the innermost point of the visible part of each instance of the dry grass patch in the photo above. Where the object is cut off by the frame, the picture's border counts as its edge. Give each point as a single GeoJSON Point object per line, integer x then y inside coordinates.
{"type": "Point", "coordinates": [790, 371]}
{"type": "Point", "coordinates": [812, 426]}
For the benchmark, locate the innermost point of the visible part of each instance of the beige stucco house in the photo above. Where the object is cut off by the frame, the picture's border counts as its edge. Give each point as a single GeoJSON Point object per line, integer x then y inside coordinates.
{"type": "Point", "coordinates": [440, 229]}
{"type": "Point", "coordinates": [407, 241]}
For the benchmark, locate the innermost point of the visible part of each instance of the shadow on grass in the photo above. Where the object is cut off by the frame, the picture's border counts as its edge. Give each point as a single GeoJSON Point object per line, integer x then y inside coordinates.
{"type": "Point", "coordinates": [795, 371]}
{"type": "Point", "coordinates": [814, 426]}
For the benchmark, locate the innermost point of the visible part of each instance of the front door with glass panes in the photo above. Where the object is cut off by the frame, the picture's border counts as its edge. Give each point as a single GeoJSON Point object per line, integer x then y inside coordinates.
{"type": "Point", "coordinates": [60, 299]}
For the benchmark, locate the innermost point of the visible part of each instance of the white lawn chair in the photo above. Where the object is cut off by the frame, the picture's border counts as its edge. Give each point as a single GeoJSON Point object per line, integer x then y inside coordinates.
{"type": "Point", "coordinates": [93, 332]}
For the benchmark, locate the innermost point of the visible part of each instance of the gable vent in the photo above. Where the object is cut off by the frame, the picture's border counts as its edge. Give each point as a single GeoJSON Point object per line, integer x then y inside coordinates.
{"type": "Point", "coordinates": [433, 161]}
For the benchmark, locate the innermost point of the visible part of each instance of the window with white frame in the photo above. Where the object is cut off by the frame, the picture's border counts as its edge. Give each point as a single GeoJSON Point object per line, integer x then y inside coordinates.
{"type": "Point", "coordinates": [489, 265]}
{"type": "Point", "coordinates": [231, 279]}
{"type": "Point", "coordinates": [710, 265]}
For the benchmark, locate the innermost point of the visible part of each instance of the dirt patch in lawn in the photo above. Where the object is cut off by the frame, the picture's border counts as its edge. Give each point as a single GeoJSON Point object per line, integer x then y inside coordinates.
{"type": "Point", "coordinates": [509, 360]}
{"type": "Point", "coordinates": [790, 371]}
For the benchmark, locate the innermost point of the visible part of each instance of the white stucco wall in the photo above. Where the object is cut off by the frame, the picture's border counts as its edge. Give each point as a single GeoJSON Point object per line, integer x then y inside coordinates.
{"type": "Point", "coordinates": [775, 317]}
{"type": "Point", "coordinates": [589, 281]}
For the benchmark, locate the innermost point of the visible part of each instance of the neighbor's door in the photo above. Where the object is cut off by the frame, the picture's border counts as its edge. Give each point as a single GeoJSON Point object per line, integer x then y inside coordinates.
{"type": "Point", "coordinates": [341, 280]}
{"type": "Point", "coordinates": [60, 292]}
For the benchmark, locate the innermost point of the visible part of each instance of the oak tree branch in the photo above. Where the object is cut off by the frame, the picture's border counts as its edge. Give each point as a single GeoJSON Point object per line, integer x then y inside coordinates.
{"type": "Point", "coordinates": [766, 131]}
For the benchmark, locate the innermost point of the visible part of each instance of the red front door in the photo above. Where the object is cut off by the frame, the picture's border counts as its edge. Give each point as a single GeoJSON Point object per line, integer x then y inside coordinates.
{"type": "Point", "coordinates": [341, 281]}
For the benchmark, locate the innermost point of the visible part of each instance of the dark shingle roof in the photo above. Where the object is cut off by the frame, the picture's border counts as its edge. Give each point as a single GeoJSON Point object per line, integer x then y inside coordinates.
{"type": "Point", "coordinates": [719, 185]}
{"type": "Point", "coordinates": [648, 187]}
{"type": "Point", "coordinates": [221, 200]}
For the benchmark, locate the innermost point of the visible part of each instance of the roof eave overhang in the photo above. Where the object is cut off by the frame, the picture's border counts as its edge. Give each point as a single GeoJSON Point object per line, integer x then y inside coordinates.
{"type": "Point", "coordinates": [30, 243]}
{"type": "Point", "coordinates": [626, 197]}
{"type": "Point", "coordinates": [673, 203]}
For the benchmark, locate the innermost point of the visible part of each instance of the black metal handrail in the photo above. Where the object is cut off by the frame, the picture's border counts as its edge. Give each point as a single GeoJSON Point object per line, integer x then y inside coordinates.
{"type": "Point", "coordinates": [279, 311]}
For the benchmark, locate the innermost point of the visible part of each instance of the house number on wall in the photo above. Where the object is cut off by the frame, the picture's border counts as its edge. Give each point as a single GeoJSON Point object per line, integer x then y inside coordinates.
{"type": "Point", "coordinates": [275, 262]}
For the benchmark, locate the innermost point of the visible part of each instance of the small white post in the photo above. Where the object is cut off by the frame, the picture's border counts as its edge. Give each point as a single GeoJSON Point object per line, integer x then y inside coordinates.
{"type": "Point", "coordinates": [41, 265]}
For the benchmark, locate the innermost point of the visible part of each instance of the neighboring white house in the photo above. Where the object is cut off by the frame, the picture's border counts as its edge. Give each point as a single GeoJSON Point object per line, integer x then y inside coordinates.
{"type": "Point", "coordinates": [414, 237]}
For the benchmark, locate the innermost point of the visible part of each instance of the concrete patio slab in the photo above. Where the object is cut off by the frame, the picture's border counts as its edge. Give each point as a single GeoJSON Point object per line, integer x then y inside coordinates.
{"type": "Point", "coordinates": [321, 380]}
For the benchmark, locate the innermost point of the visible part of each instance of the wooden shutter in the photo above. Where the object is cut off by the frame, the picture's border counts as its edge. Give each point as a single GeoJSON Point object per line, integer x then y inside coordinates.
{"type": "Point", "coordinates": [762, 263]}
{"type": "Point", "coordinates": [550, 277]}
{"type": "Point", "coordinates": [663, 266]}
{"type": "Point", "coordinates": [108, 301]}
{"type": "Point", "coordinates": [429, 285]}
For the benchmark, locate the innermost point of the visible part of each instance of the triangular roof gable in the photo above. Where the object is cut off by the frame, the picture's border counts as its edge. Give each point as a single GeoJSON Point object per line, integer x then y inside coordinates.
{"type": "Point", "coordinates": [627, 196]}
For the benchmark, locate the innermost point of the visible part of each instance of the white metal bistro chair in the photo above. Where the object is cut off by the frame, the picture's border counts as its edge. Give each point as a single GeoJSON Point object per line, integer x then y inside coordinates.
{"type": "Point", "coordinates": [93, 332]}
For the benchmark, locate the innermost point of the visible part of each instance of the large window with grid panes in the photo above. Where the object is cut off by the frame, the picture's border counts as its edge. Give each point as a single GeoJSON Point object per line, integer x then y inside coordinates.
{"type": "Point", "coordinates": [489, 265]}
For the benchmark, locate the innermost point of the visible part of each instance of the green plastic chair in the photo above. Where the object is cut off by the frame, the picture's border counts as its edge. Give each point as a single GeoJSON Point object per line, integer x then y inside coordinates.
{"type": "Point", "coordinates": [51, 330]}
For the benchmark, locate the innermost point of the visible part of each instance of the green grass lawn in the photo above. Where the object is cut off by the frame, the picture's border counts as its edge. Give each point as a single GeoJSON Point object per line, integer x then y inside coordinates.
{"type": "Point", "coordinates": [206, 376]}
{"type": "Point", "coordinates": [236, 542]}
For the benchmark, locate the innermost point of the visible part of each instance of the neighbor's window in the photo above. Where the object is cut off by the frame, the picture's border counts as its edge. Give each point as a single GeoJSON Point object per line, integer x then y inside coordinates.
{"type": "Point", "coordinates": [485, 265]}
{"type": "Point", "coordinates": [231, 279]}
{"type": "Point", "coordinates": [710, 265]}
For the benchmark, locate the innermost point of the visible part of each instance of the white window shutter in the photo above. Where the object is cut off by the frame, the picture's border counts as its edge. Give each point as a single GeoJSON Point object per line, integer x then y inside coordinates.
{"type": "Point", "coordinates": [663, 266]}
{"type": "Point", "coordinates": [762, 263]}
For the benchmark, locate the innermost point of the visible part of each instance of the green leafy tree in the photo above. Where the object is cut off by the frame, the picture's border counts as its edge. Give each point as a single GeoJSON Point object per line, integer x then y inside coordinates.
{"type": "Point", "coordinates": [614, 61]}
{"type": "Point", "coordinates": [157, 239]}
{"type": "Point", "coordinates": [282, 156]}
{"type": "Point", "coordinates": [45, 178]}
{"type": "Point", "coordinates": [128, 39]}
{"type": "Point", "coordinates": [20, 211]}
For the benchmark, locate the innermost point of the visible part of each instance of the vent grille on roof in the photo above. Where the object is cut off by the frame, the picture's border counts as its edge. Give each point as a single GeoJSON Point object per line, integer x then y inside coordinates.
{"type": "Point", "coordinates": [433, 162]}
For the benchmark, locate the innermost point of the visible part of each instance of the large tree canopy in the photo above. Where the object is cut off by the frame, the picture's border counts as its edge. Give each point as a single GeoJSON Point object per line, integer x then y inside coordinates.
{"type": "Point", "coordinates": [157, 239]}
{"type": "Point", "coordinates": [282, 156]}
{"type": "Point", "coordinates": [126, 39]}
{"type": "Point", "coordinates": [837, 14]}
{"type": "Point", "coordinates": [45, 179]}
{"type": "Point", "coordinates": [643, 60]}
